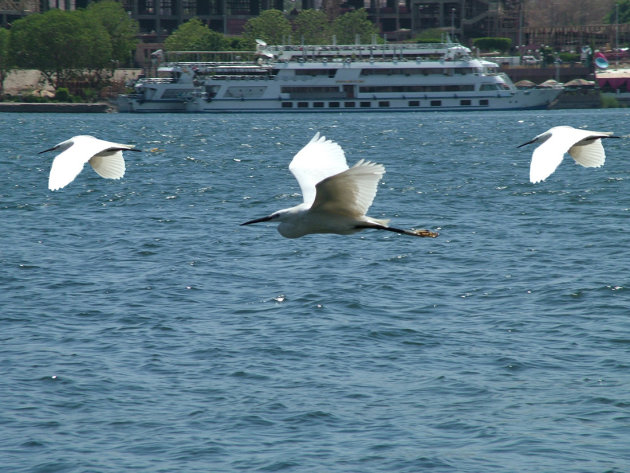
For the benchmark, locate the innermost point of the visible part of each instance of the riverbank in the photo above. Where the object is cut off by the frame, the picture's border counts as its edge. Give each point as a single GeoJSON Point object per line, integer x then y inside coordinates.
{"type": "Point", "coordinates": [579, 98]}
{"type": "Point", "coordinates": [101, 107]}
{"type": "Point", "coordinates": [538, 74]}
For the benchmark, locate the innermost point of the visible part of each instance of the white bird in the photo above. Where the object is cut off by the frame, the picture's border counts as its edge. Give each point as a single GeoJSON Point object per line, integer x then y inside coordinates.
{"type": "Point", "coordinates": [105, 157]}
{"type": "Point", "coordinates": [336, 197]}
{"type": "Point", "coordinates": [583, 145]}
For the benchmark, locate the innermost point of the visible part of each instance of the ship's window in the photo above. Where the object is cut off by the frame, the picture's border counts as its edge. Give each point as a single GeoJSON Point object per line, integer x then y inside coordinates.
{"type": "Point", "coordinates": [176, 93]}
{"type": "Point", "coordinates": [249, 92]}
{"type": "Point", "coordinates": [483, 102]}
{"type": "Point", "coordinates": [349, 104]}
{"type": "Point", "coordinates": [316, 72]}
{"type": "Point", "coordinates": [415, 88]}
{"type": "Point", "coordinates": [384, 103]}
{"type": "Point", "coordinates": [287, 104]}
{"type": "Point", "coordinates": [465, 102]}
{"type": "Point", "coordinates": [414, 103]}
{"type": "Point", "coordinates": [302, 104]}
{"type": "Point", "coordinates": [333, 104]}
{"type": "Point", "coordinates": [318, 104]}
{"type": "Point", "coordinates": [406, 71]}
{"type": "Point", "coordinates": [490, 87]}
{"type": "Point", "coordinates": [436, 103]}
{"type": "Point", "coordinates": [308, 92]}
{"type": "Point", "coordinates": [365, 104]}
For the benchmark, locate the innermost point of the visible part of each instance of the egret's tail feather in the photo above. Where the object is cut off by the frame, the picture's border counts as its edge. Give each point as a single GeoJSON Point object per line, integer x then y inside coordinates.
{"type": "Point", "coordinates": [380, 221]}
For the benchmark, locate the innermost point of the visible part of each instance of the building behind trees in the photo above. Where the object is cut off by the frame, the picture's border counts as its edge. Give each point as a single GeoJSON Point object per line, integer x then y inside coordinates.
{"type": "Point", "coordinates": [561, 23]}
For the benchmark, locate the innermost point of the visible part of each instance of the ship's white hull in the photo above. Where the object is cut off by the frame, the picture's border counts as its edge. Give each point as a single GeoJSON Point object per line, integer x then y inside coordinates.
{"type": "Point", "coordinates": [397, 78]}
{"type": "Point", "coordinates": [131, 104]}
{"type": "Point", "coordinates": [520, 100]}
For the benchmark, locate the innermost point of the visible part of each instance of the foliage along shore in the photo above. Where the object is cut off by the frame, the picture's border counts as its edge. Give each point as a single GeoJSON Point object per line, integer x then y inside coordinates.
{"type": "Point", "coordinates": [58, 107]}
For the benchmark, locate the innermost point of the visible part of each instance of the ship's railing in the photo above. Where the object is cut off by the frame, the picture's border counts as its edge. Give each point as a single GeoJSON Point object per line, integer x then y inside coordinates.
{"type": "Point", "coordinates": [197, 64]}
{"type": "Point", "coordinates": [400, 60]}
{"type": "Point", "coordinates": [210, 56]}
{"type": "Point", "coordinates": [359, 47]}
{"type": "Point", "coordinates": [384, 52]}
{"type": "Point", "coordinates": [236, 77]}
{"type": "Point", "coordinates": [155, 80]}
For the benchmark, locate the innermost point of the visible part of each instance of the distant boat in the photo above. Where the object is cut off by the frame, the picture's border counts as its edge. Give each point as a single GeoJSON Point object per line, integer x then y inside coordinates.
{"type": "Point", "coordinates": [334, 78]}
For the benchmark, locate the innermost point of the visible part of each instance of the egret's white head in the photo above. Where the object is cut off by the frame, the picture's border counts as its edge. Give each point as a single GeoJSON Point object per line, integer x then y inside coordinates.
{"type": "Point", "coordinates": [289, 220]}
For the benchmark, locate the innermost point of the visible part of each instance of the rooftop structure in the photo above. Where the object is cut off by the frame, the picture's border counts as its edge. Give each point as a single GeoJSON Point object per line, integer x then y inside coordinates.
{"type": "Point", "coordinates": [13, 9]}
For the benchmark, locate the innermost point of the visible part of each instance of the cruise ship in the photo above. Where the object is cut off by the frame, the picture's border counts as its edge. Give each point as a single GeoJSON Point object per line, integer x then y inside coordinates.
{"type": "Point", "coordinates": [377, 77]}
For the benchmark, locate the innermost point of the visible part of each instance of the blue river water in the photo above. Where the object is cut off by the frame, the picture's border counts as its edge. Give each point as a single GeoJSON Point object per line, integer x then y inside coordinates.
{"type": "Point", "coordinates": [142, 329]}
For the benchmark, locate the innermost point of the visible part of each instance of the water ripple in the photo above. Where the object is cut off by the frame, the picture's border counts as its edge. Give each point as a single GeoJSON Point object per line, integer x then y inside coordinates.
{"type": "Point", "coordinates": [143, 329]}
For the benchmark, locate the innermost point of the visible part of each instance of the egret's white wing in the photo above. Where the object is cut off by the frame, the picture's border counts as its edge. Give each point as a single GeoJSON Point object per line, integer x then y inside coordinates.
{"type": "Point", "coordinates": [68, 164]}
{"type": "Point", "coordinates": [109, 164]}
{"type": "Point", "coordinates": [319, 159]}
{"type": "Point", "coordinates": [548, 156]}
{"type": "Point", "coordinates": [591, 153]}
{"type": "Point", "coordinates": [545, 159]}
{"type": "Point", "coordinates": [583, 145]}
{"type": "Point", "coordinates": [351, 192]}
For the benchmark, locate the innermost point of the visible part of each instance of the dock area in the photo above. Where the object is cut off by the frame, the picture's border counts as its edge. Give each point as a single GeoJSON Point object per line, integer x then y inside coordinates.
{"type": "Point", "coordinates": [52, 107]}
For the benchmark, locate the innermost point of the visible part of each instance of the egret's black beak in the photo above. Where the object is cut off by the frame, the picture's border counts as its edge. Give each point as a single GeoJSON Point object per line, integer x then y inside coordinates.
{"type": "Point", "coordinates": [49, 149]}
{"type": "Point", "coordinates": [258, 220]}
{"type": "Point", "coordinates": [529, 142]}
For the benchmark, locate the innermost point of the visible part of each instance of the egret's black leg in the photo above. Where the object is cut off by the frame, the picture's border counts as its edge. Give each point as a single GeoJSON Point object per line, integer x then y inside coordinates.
{"type": "Point", "coordinates": [418, 233]}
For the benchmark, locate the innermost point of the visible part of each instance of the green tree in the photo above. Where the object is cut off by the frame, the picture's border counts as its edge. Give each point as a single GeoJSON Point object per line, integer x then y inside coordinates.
{"type": "Point", "coordinates": [547, 55]}
{"type": "Point", "coordinates": [237, 43]}
{"type": "Point", "coordinates": [430, 35]}
{"type": "Point", "coordinates": [624, 13]}
{"type": "Point", "coordinates": [352, 24]}
{"type": "Point", "coordinates": [493, 44]}
{"type": "Point", "coordinates": [122, 29]}
{"type": "Point", "coordinates": [95, 60]}
{"type": "Point", "coordinates": [195, 36]}
{"type": "Point", "coordinates": [312, 27]}
{"type": "Point", "coordinates": [271, 26]}
{"type": "Point", "coordinates": [60, 44]}
{"type": "Point", "coordinates": [5, 65]}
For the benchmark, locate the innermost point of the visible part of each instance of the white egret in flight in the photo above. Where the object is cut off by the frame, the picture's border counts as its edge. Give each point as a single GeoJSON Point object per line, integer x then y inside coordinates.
{"type": "Point", "coordinates": [583, 145]}
{"type": "Point", "coordinates": [336, 197]}
{"type": "Point", "coordinates": [105, 157]}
